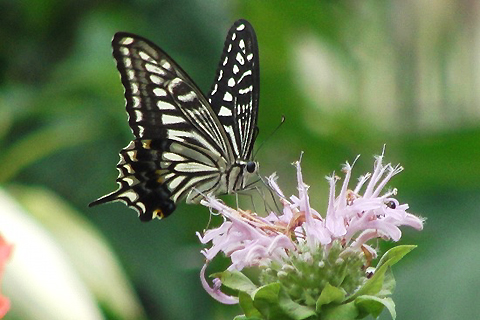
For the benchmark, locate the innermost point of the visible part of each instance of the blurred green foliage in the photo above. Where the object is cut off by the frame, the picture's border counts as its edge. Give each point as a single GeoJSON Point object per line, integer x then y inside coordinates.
{"type": "Point", "coordinates": [348, 76]}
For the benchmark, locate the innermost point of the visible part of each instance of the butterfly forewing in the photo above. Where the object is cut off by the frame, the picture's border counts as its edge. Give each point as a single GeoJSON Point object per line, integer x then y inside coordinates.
{"type": "Point", "coordinates": [234, 95]}
{"type": "Point", "coordinates": [162, 101]}
{"type": "Point", "coordinates": [184, 147]}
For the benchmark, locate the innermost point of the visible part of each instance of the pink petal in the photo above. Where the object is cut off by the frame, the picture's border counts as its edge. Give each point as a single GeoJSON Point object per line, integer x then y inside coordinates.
{"type": "Point", "coordinates": [215, 292]}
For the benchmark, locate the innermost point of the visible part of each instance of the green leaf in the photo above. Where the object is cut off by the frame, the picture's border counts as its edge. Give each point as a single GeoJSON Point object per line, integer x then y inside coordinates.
{"type": "Point", "coordinates": [39, 144]}
{"type": "Point", "coordinates": [388, 284]}
{"type": "Point", "coordinates": [267, 301]}
{"type": "Point", "coordinates": [246, 303]}
{"type": "Point", "coordinates": [347, 311]}
{"type": "Point", "coordinates": [330, 294]}
{"type": "Point", "coordinates": [382, 280]}
{"type": "Point", "coordinates": [374, 306]}
{"type": "Point", "coordinates": [236, 280]}
{"type": "Point", "coordinates": [372, 286]}
{"type": "Point", "coordinates": [274, 303]}
{"type": "Point", "coordinates": [394, 255]}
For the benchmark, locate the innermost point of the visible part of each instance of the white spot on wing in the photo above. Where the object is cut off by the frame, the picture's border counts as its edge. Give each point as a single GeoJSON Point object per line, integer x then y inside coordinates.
{"type": "Point", "coordinates": [246, 73]}
{"type": "Point", "coordinates": [134, 87]}
{"type": "Point", "coordinates": [169, 119]}
{"type": "Point", "coordinates": [246, 90]}
{"type": "Point", "coordinates": [145, 56]}
{"type": "Point", "coordinates": [132, 155]}
{"type": "Point", "coordinates": [141, 130]}
{"type": "Point", "coordinates": [165, 64]}
{"type": "Point", "coordinates": [178, 135]}
{"type": "Point", "coordinates": [162, 105]}
{"type": "Point", "coordinates": [231, 82]}
{"type": "Point", "coordinates": [241, 27]}
{"type": "Point", "coordinates": [138, 115]}
{"type": "Point", "coordinates": [190, 167]}
{"type": "Point", "coordinates": [126, 41]}
{"type": "Point", "coordinates": [175, 182]}
{"type": "Point", "coordinates": [153, 68]}
{"type": "Point", "coordinates": [172, 157]}
{"type": "Point", "coordinates": [225, 112]}
{"type": "Point", "coordinates": [130, 74]}
{"type": "Point", "coordinates": [156, 79]}
{"type": "Point", "coordinates": [215, 88]}
{"type": "Point", "coordinates": [227, 97]}
{"type": "Point", "coordinates": [187, 97]}
{"type": "Point", "coordinates": [136, 102]}
{"type": "Point", "coordinates": [128, 167]}
{"type": "Point", "coordinates": [141, 206]}
{"type": "Point", "coordinates": [129, 181]}
{"type": "Point", "coordinates": [169, 176]}
{"type": "Point", "coordinates": [130, 195]}
{"type": "Point", "coordinates": [240, 59]}
{"type": "Point", "coordinates": [159, 92]}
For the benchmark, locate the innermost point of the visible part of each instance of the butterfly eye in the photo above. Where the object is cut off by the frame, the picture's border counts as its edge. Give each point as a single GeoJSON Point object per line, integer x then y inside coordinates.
{"type": "Point", "coordinates": [251, 167]}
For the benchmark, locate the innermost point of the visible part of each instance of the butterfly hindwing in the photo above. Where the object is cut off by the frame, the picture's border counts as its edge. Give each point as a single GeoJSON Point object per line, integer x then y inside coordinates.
{"type": "Point", "coordinates": [140, 180]}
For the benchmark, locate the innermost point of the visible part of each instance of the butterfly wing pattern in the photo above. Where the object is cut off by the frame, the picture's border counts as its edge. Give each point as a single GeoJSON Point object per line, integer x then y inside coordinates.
{"type": "Point", "coordinates": [185, 145]}
{"type": "Point", "coordinates": [235, 93]}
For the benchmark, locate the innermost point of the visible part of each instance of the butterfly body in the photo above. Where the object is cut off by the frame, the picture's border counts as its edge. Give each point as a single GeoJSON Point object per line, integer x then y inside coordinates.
{"type": "Point", "coordinates": [186, 145]}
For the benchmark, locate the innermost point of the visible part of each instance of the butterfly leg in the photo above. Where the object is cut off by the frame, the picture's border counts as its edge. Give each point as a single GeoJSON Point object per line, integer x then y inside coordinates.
{"type": "Point", "coordinates": [262, 194]}
{"type": "Point", "coordinates": [248, 195]}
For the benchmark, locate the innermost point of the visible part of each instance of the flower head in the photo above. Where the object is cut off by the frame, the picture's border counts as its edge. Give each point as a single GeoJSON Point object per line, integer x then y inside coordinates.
{"type": "Point", "coordinates": [302, 250]}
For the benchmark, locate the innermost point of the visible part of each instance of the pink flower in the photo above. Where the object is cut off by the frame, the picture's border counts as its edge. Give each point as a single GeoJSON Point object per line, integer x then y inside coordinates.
{"type": "Point", "coordinates": [352, 218]}
{"type": "Point", "coordinates": [247, 239]}
{"type": "Point", "coordinates": [5, 252]}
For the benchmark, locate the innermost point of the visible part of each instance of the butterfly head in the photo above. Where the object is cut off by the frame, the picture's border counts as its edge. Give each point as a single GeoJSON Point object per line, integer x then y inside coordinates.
{"type": "Point", "coordinates": [241, 174]}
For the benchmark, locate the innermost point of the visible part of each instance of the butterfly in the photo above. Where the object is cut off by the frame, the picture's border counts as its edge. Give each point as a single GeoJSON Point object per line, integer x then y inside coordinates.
{"type": "Point", "coordinates": [186, 145]}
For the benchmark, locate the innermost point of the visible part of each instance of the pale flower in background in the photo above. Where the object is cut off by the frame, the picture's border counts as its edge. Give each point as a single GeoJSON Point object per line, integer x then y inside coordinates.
{"type": "Point", "coordinates": [5, 252]}
{"type": "Point", "coordinates": [49, 275]}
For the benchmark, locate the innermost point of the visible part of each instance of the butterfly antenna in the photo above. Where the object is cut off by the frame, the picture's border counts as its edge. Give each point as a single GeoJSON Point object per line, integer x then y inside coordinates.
{"type": "Point", "coordinates": [270, 135]}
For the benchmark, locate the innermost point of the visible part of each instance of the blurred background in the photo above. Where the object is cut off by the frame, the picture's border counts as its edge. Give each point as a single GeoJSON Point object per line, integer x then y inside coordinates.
{"type": "Point", "coordinates": [349, 77]}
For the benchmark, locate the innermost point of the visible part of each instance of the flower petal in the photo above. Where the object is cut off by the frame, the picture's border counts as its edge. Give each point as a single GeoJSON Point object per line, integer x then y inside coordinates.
{"type": "Point", "coordinates": [215, 292]}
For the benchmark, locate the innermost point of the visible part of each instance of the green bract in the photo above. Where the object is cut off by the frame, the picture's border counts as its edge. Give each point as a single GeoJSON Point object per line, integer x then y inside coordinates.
{"type": "Point", "coordinates": [318, 286]}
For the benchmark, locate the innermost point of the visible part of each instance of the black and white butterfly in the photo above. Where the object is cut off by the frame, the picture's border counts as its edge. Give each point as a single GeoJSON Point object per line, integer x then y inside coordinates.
{"type": "Point", "coordinates": [186, 145]}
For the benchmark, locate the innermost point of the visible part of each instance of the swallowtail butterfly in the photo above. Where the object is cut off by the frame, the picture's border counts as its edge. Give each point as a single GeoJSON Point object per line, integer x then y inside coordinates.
{"type": "Point", "coordinates": [186, 145]}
